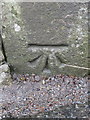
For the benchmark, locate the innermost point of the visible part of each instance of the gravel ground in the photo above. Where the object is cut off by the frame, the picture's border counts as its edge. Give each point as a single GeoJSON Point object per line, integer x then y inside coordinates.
{"type": "Point", "coordinates": [36, 96]}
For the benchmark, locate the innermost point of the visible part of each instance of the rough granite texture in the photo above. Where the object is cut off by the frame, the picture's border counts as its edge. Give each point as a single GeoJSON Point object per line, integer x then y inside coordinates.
{"type": "Point", "coordinates": [45, 38]}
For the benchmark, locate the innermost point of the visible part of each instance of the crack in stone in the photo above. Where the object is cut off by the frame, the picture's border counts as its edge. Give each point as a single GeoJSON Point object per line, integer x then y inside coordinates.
{"type": "Point", "coordinates": [77, 67]}
{"type": "Point", "coordinates": [3, 48]}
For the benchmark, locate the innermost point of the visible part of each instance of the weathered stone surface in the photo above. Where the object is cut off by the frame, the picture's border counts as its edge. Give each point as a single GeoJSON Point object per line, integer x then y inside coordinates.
{"type": "Point", "coordinates": [44, 38]}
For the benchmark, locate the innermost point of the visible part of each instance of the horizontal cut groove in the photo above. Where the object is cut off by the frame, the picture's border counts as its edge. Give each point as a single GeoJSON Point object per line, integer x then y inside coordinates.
{"type": "Point", "coordinates": [52, 45]}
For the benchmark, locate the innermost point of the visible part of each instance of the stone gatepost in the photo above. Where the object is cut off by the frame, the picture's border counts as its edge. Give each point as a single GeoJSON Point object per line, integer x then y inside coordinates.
{"type": "Point", "coordinates": [46, 38]}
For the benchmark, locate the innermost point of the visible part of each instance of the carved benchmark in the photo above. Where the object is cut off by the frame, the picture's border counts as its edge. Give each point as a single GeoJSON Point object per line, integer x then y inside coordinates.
{"type": "Point", "coordinates": [49, 52]}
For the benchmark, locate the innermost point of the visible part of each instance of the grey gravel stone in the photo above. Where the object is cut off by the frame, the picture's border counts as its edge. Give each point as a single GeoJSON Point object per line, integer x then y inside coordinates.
{"type": "Point", "coordinates": [54, 98]}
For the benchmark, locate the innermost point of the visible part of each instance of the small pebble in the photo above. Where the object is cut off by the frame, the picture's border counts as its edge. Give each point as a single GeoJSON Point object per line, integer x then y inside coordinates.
{"type": "Point", "coordinates": [43, 82]}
